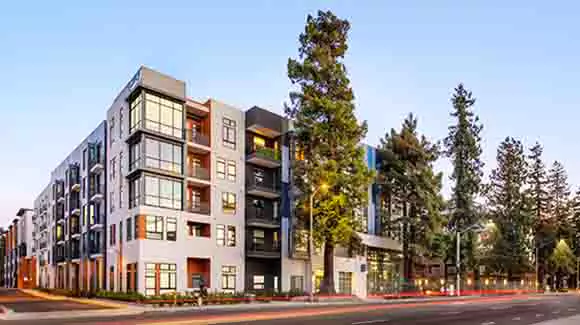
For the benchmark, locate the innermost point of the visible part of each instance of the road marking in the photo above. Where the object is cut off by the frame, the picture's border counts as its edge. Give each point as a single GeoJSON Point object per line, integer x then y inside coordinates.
{"type": "Point", "coordinates": [539, 315]}
{"type": "Point", "coordinates": [458, 303]}
{"type": "Point", "coordinates": [517, 318]}
{"type": "Point", "coordinates": [556, 312]}
{"type": "Point", "coordinates": [500, 307]}
{"type": "Point", "coordinates": [451, 313]}
{"type": "Point", "coordinates": [571, 309]}
{"type": "Point", "coordinates": [488, 323]}
{"type": "Point", "coordinates": [374, 321]}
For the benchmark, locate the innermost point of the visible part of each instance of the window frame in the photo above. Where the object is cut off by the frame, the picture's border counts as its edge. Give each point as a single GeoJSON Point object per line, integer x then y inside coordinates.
{"type": "Point", "coordinates": [157, 105]}
{"type": "Point", "coordinates": [171, 235]}
{"type": "Point", "coordinates": [229, 130]}
{"type": "Point", "coordinates": [158, 222]}
{"type": "Point", "coordinates": [231, 176]}
{"type": "Point", "coordinates": [176, 198]}
{"type": "Point", "coordinates": [231, 236]}
{"type": "Point", "coordinates": [221, 173]}
{"type": "Point", "coordinates": [157, 161]}
{"type": "Point", "coordinates": [229, 274]}
{"type": "Point", "coordinates": [228, 206]}
{"type": "Point", "coordinates": [220, 231]}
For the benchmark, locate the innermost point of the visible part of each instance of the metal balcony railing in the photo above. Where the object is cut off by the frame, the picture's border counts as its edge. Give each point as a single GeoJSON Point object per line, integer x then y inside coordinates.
{"type": "Point", "coordinates": [198, 207]}
{"type": "Point", "coordinates": [199, 173]}
{"type": "Point", "coordinates": [197, 137]}
{"type": "Point", "coordinates": [265, 153]}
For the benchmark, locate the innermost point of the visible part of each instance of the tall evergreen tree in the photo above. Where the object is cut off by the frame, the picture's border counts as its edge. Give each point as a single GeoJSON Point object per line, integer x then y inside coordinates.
{"type": "Point", "coordinates": [538, 183]}
{"type": "Point", "coordinates": [329, 135]}
{"type": "Point", "coordinates": [559, 198]}
{"type": "Point", "coordinates": [463, 146]}
{"type": "Point", "coordinates": [409, 180]}
{"type": "Point", "coordinates": [510, 209]}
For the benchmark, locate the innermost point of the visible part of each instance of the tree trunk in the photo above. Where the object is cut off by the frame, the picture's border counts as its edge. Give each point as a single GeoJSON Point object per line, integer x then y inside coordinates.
{"type": "Point", "coordinates": [327, 285]}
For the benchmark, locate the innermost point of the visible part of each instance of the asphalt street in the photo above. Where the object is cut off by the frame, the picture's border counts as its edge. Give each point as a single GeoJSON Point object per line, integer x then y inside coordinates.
{"type": "Point", "coordinates": [20, 302]}
{"type": "Point", "coordinates": [521, 310]}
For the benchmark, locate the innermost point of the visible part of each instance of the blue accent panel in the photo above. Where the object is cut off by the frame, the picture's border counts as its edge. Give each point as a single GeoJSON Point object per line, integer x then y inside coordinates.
{"type": "Point", "coordinates": [285, 200]}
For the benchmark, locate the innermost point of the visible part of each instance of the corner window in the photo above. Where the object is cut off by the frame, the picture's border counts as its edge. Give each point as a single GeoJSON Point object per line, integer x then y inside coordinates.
{"type": "Point", "coordinates": [163, 192]}
{"type": "Point", "coordinates": [154, 227]}
{"type": "Point", "coordinates": [163, 115]}
{"type": "Point", "coordinates": [112, 131]}
{"type": "Point", "coordinates": [229, 133]}
{"type": "Point", "coordinates": [163, 155]}
{"type": "Point", "coordinates": [228, 202]}
{"type": "Point", "coordinates": [135, 113]}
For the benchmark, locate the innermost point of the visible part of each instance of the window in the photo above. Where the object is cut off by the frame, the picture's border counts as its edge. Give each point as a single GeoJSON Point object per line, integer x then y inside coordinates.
{"type": "Point", "coordinates": [129, 230]}
{"type": "Point", "coordinates": [112, 235]}
{"type": "Point", "coordinates": [135, 113]}
{"type": "Point", "coordinates": [112, 200]}
{"type": "Point", "coordinates": [136, 225]}
{"type": "Point", "coordinates": [112, 131]}
{"type": "Point", "coordinates": [258, 176]}
{"type": "Point", "coordinates": [258, 236]}
{"type": "Point", "coordinates": [231, 236]}
{"type": "Point", "coordinates": [259, 142]}
{"type": "Point", "coordinates": [121, 181]}
{"type": "Point", "coordinates": [85, 215]}
{"type": "Point", "coordinates": [231, 170]}
{"type": "Point", "coordinates": [259, 208]}
{"type": "Point", "coordinates": [121, 123]}
{"type": "Point", "coordinates": [297, 283]}
{"type": "Point", "coordinates": [84, 162]}
{"type": "Point", "coordinates": [221, 168]}
{"type": "Point", "coordinates": [120, 232]}
{"type": "Point", "coordinates": [229, 133]}
{"type": "Point", "coordinates": [228, 202]}
{"type": "Point", "coordinates": [154, 227]}
{"type": "Point", "coordinates": [134, 193]}
{"type": "Point", "coordinates": [275, 240]}
{"type": "Point", "coordinates": [167, 278]}
{"type": "Point", "coordinates": [258, 282]}
{"type": "Point", "coordinates": [171, 229]}
{"type": "Point", "coordinates": [163, 155]}
{"type": "Point", "coordinates": [150, 279]}
{"type": "Point", "coordinates": [83, 186]}
{"type": "Point", "coordinates": [221, 235]}
{"type": "Point", "coordinates": [113, 164]}
{"type": "Point", "coordinates": [121, 164]}
{"type": "Point", "coordinates": [229, 278]}
{"type": "Point", "coordinates": [345, 282]}
{"type": "Point", "coordinates": [163, 116]}
{"type": "Point", "coordinates": [134, 155]}
{"type": "Point", "coordinates": [162, 192]}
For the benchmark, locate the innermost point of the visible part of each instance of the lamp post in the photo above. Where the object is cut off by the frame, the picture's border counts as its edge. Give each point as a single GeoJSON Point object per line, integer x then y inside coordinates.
{"type": "Point", "coordinates": [476, 227]}
{"type": "Point", "coordinates": [311, 240]}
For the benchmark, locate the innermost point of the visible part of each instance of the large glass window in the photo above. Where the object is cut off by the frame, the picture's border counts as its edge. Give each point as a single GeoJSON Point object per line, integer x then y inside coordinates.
{"type": "Point", "coordinates": [167, 278]}
{"type": "Point", "coordinates": [229, 278]}
{"type": "Point", "coordinates": [163, 155]}
{"type": "Point", "coordinates": [150, 287]}
{"type": "Point", "coordinates": [221, 235]}
{"type": "Point", "coordinates": [134, 155]}
{"type": "Point", "coordinates": [229, 133]}
{"type": "Point", "coordinates": [154, 227]}
{"type": "Point", "coordinates": [129, 230]}
{"type": "Point", "coordinates": [162, 192]}
{"type": "Point", "coordinates": [134, 193]}
{"type": "Point", "coordinates": [135, 113]}
{"type": "Point", "coordinates": [345, 282]}
{"type": "Point", "coordinates": [163, 116]}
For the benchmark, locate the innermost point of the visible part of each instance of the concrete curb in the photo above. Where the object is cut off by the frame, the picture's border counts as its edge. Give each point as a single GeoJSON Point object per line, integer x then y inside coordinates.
{"type": "Point", "coordinates": [70, 314]}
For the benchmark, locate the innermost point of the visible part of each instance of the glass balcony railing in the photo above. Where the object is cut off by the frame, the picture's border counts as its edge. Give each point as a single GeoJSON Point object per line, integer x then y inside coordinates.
{"type": "Point", "coordinates": [265, 153]}
{"type": "Point", "coordinates": [197, 137]}
{"type": "Point", "coordinates": [199, 173]}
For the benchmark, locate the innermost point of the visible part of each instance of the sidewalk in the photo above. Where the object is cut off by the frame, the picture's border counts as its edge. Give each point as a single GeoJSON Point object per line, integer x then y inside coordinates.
{"type": "Point", "coordinates": [574, 320]}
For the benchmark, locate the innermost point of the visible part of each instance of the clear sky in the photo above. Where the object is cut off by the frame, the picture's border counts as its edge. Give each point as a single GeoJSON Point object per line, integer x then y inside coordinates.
{"type": "Point", "coordinates": [62, 63]}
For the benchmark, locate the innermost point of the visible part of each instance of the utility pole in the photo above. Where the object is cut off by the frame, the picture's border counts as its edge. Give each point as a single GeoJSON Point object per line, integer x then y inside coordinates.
{"type": "Point", "coordinates": [458, 263]}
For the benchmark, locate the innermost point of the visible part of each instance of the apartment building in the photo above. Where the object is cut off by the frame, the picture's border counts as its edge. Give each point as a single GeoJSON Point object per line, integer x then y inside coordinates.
{"type": "Point", "coordinates": [19, 269]}
{"type": "Point", "coordinates": [176, 181]}
{"type": "Point", "coordinates": [71, 215]}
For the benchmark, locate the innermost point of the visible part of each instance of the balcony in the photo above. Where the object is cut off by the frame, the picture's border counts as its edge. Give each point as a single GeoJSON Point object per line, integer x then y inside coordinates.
{"type": "Point", "coordinates": [264, 122]}
{"type": "Point", "coordinates": [75, 229]}
{"type": "Point", "coordinates": [59, 258]}
{"type": "Point", "coordinates": [263, 251]}
{"type": "Point", "coordinates": [198, 141]}
{"type": "Point", "coordinates": [264, 156]}
{"type": "Point", "coordinates": [59, 214]}
{"type": "Point", "coordinates": [96, 192]}
{"type": "Point", "coordinates": [75, 206]}
{"type": "Point", "coordinates": [95, 222]}
{"type": "Point", "coordinates": [95, 249]}
{"type": "Point", "coordinates": [96, 164]}
{"type": "Point", "coordinates": [198, 176]}
{"type": "Point", "coordinates": [198, 208]}
{"type": "Point", "coordinates": [262, 218]}
{"type": "Point", "coordinates": [269, 190]}
{"type": "Point", "coordinates": [75, 252]}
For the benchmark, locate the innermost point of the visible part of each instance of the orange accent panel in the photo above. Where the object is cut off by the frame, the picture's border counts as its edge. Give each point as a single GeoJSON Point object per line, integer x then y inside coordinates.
{"type": "Point", "coordinates": [141, 227]}
{"type": "Point", "coordinates": [198, 265]}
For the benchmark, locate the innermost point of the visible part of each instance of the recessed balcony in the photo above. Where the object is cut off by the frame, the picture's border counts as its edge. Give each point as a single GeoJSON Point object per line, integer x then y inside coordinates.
{"type": "Point", "coordinates": [269, 190]}
{"type": "Point", "coordinates": [96, 165]}
{"type": "Point", "coordinates": [96, 192]}
{"type": "Point", "coordinates": [264, 156]}
{"type": "Point", "coordinates": [198, 176]}
{"type": "Point", "coordinates": [263, 251]}
{"type": "Point", "coordinates": [198, 208]}
{"type": "Point", "coordinates": [197, 141]}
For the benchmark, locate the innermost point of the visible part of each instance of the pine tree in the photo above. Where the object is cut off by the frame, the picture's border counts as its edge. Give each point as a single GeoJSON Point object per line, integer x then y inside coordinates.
{"type": "Point", "coordinates": [510, 209]}
{"type": "Point", "coordinates": [329, 135]}
{"type": "Point", "coordinates": [463, 146]}
{"type": "Point", "coordinates": [538, 182]}
{"type": "Point", "coordinates": [408, 178]}
{"type": "Point", "coordinates": [559, 194]}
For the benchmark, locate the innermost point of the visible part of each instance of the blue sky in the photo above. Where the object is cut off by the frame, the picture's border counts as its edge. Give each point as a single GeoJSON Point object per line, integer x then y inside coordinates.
{"type": "Point", "coordinates": [62, 63]}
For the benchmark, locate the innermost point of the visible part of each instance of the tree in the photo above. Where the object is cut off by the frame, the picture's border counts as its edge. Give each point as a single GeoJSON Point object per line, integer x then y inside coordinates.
{"type": "Point", "coordinates": [538, 182]}
{"type": "Point", "coordinates": [559, 194]}
{"type": "Point", "coordinates": [329, 135]}
{"type": "Point", "coordinates": [562, 261]}
{"type": "Point", "coordinates": [510, 208]}
{"type": "Point", "coordinates": [409, 182]}
{"type": "Point", "coordinates": [463, 146]}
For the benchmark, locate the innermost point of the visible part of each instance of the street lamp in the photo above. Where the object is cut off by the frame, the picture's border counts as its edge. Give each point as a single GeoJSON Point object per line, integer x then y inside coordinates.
{"type": "Point", "coordinates": [322, 187]}
{"type": "Point", "coordinates": [477, 227]}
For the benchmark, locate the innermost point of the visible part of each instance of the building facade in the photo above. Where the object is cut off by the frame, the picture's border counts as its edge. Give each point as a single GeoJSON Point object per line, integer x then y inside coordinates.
{"type": "Point", "coordinates": [19, 264]}
{"type": "Point", "coordinates": [170, 194]}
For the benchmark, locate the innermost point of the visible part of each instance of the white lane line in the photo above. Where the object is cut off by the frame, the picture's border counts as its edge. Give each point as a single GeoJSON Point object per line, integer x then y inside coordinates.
{"type": "Point", "coordinates": [374, 321]}
{"type": "Point", "coordinates": [488, 323]}
{"type": "Point", "coordinates": [451, 313]}
{"type": "Point", "coordinates": [571, 309]}
{"type": "Point", "coordinates": [539, 315]}
{"type": "Point", "coordinates": [500, 307]}
{"type": "Point", "coordinates": [556, 312]}
{"type": "Point", "coordinates": [517, 318]}
{"type": "Point", "coordinates": [458, 303]}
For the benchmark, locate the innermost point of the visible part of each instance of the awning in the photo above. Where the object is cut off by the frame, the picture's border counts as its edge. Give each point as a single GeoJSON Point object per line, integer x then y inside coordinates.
{"type": "Point", "coordinates": [380, 242]}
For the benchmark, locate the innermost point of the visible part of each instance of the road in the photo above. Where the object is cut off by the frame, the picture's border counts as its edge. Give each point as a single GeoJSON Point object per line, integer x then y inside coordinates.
{"type": "Point", "coordinates": [521, 310]}
{"type": "Point", "coordinates": [20, 302]}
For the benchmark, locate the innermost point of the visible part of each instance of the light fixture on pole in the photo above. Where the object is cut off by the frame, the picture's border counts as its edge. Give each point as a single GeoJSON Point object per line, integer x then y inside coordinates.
{"type": "Point", "coordinates": [322, 187]}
